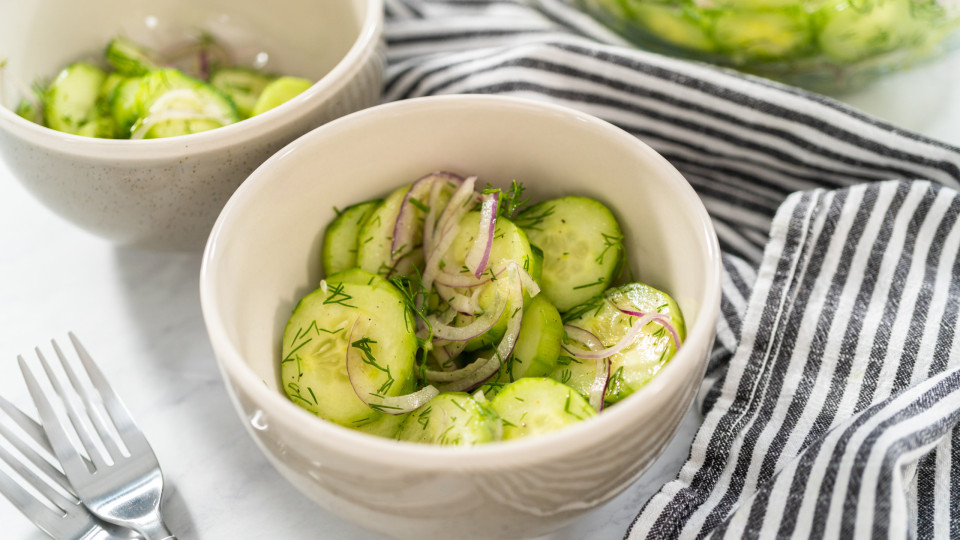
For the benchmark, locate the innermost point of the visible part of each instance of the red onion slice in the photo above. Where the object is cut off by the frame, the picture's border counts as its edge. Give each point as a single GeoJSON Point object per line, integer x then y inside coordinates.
{"type": "Point", "coordinates": [461, 303]}
{"type": "Point", "coordinates": [446, 229]}
{"type": "Point", "coordinates": [584, 336]}
{"type": "Point", "coordinates": [664, 321]}
{"type": "Point", "coordinates": [610, 351]}
{"type": "Point", "coordinates": [374, 399]}
{"type": "Point", "coordinates": [473, 375]}
{"type": "Point", "coordinates": [479, 326]}
{"type": "Point", "coordinates": [598, 389]}
{"type": "Point", "coordinates": [479, 254]}
{"type": "Point", "coordinates": [426, 188]}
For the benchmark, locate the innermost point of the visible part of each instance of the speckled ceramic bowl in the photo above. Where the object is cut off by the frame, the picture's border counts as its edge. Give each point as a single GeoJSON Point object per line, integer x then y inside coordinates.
{"type": "Point", "coordinates": [264, 254]}
{"type": "Point", "coordinates": [166, 193]}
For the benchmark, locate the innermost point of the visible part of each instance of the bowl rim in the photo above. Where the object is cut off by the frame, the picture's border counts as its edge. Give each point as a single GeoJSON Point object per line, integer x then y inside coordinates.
{"type": "Point", "coordinates": [126, 150]}
{"type": "Point", "coordinates": [423, 457]}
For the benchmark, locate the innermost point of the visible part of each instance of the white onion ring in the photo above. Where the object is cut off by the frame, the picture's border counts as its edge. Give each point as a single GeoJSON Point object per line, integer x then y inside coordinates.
{"type": "Point", "coordinates": [385, 404]}
{"type": "Point", "coordinates": [479, 254]}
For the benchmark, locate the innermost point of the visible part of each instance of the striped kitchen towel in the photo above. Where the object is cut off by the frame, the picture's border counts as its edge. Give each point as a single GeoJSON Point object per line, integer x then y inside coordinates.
{"type": "Point", "coordinates": [832, 395]}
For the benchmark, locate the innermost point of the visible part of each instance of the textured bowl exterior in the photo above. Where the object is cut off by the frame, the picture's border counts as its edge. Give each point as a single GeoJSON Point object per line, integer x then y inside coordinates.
{"type": "Point", "coordinates": [255, 269]}
{"type": "Point", "coordinates": [166, 194]}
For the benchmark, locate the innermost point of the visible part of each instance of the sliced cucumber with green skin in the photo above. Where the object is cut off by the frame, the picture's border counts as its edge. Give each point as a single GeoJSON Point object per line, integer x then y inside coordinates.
{"type": "Point", "coordinates": [130, 59]}
{"type": "Point", "coordinates": [71, 100]}
{"type": "Point", "coordinates": [535, 405]}
{"type": "Point", "coordinates": [123, 104]}
{"type": "Point", "coordinates": [244, 86]}
{"type": "Point", "coordinates": [315, 341]}
{"type": "Point", "coordinates": [509, 244]}
{"type": "Point", "coordinates": [107, 89]}
{"type": "Point", "coordinates": [339, 251]}
{"type": "Point", "coordinates": [762, 35]}
{"type": "Point", "coordinates": [175, 101]}
{"type": "Point", "coordinates": [678, 25]}
{"type": "Point", "coordinates": [854, 33]}
{"type": "Point", "coordinates": [374, 252]}
{"type": "Point", "coordinates": [452, 418]}
{"type": "Point", "coordinates": [536, 263]}
{"type": "Point", "coordinates": [634, 365]}
{"type": "Point", "coordinates": [537, 348]}
{"type": "Point", "coordinates": [278, 92]}
{"type": "Point", "coordinates": [582, 247]}
{"type": "Point", "coordinates": [575, 373]}
{"type": "Point", "coordinates": [31, 110]}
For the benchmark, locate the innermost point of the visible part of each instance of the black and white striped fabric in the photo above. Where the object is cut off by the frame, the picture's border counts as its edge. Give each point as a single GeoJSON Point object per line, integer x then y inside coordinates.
{"type": "Point", "coordinates": [833, 393]}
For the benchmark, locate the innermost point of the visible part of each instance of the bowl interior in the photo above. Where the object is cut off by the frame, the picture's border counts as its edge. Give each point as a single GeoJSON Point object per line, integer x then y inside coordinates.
{"type": "Point", "coordinates": [291, 37]}
{"type": "Point", "coordinates": [264, 252]}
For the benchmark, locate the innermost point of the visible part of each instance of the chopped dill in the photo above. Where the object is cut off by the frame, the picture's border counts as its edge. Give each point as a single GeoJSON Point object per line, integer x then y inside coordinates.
{"type": "Point", "coordinates": [419, 204]}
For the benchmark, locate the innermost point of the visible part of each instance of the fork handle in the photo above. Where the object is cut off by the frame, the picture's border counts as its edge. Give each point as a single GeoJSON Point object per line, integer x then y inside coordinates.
{"type": "Point", "coordinates": [153, 528]}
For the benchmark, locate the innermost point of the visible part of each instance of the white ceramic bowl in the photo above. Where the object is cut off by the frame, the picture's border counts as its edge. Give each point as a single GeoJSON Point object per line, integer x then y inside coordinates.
{"type": "Point", "coordinates": [264, 253]}
{"type": "Point", "coordinates": [166, 193]}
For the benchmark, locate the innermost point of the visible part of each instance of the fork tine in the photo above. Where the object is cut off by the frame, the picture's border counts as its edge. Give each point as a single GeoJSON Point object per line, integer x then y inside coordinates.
{"type": "Point", "coordinates": [93, 411]}
{"type": "Point", "coordinates": [26, 502]}
{"type": "Point", "coordinates": [45, 489]}
{"type": "Point", "coordinates": [34, 431]}
{"type": "Point", "coordinates": [74, 414]}
{"type": "Point", "coordinates": [70, 458]}
{"type": "Point", "coordinates": [130, 434]}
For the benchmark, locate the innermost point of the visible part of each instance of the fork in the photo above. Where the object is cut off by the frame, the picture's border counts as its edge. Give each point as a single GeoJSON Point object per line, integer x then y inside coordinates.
{"type": "Point", "coordinates": [53, 505]}
{"type": "Point", "coordinates": [126, 490]}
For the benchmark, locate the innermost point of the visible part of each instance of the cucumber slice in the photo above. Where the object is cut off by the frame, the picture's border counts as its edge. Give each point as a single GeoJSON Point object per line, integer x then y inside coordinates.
{"type": "Point", "coordinates": [313, 367]}
{"type": "Point", "coordinates": [452, 418]}
{"type": "Point", "coordinates": [243, 86]}
{"type": "Point", "coordinates": [763, 35]}
{"type": "Point", "coordinates": [177, 104]}
{"type": "Point", "coordinates": [582, 247]}
{"type": "Point", "coordinates": [376, 235]}
{"type": "Point", "coordinates": [176, 127]}
{"type": "Point", "coordinates": [101, 126]}
{"type": "Point", "coordinates": [635, 364]}
{"type": "Point", "coordinates": [853, 33]}
{"type": "Point", "coordinates": [509, 244]}
{"type": "Point", "coordinates": [537, 349]}
{"type": "Point", "coordinates": [130, 59]}
{"type": "Point", "coordinates": [280, 91]}
{"type": "Point", "coordinates": [107, 89]}
{"type": "Point", "coordinates": [339, 251]}
{"type": "Point", "coordinates": [71, 99]}
{"type": "Point", "coordinates": [536, 264]}
{"type": "Point", "coordinates": [31, 110]}
{"type": "Point", "coordinates": [679, 25]}
{"type": "Point", "coordinates": [123, 104]}
{"type": "Point", "coordinates": [535, 405]}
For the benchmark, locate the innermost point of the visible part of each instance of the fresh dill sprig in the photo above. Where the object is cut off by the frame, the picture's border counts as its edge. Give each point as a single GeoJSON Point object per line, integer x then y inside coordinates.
{"type": "Point", "coordinates": [511, 200]}
{"type": "Point", "coordinates": [337, 296]}
{"type": "Point", "coordinates": [610, 241]}
{"type": "Point", "coordinates": [532, 218]}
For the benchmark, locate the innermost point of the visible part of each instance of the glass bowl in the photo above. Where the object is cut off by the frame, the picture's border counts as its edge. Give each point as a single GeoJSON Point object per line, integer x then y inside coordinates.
{"type": "Point", "coordinates": [823, 45]}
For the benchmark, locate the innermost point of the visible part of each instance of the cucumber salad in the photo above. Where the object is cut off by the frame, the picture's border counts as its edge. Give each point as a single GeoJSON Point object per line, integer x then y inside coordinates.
{"type": "Point", "coordinates": [454, 314]}
{"type": "Point", "coordinates": [140, 94]}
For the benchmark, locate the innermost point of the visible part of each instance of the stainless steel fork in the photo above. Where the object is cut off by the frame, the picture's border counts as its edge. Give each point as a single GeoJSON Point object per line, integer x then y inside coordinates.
{"type": "Point", "coordinates": [122, 486]}
{"type": "Point", "coordinates": [51, 504]}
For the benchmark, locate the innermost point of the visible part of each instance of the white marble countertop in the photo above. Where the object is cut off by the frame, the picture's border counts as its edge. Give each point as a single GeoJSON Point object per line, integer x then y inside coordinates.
{"type": "Point", "coordinates": [139, 315]}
